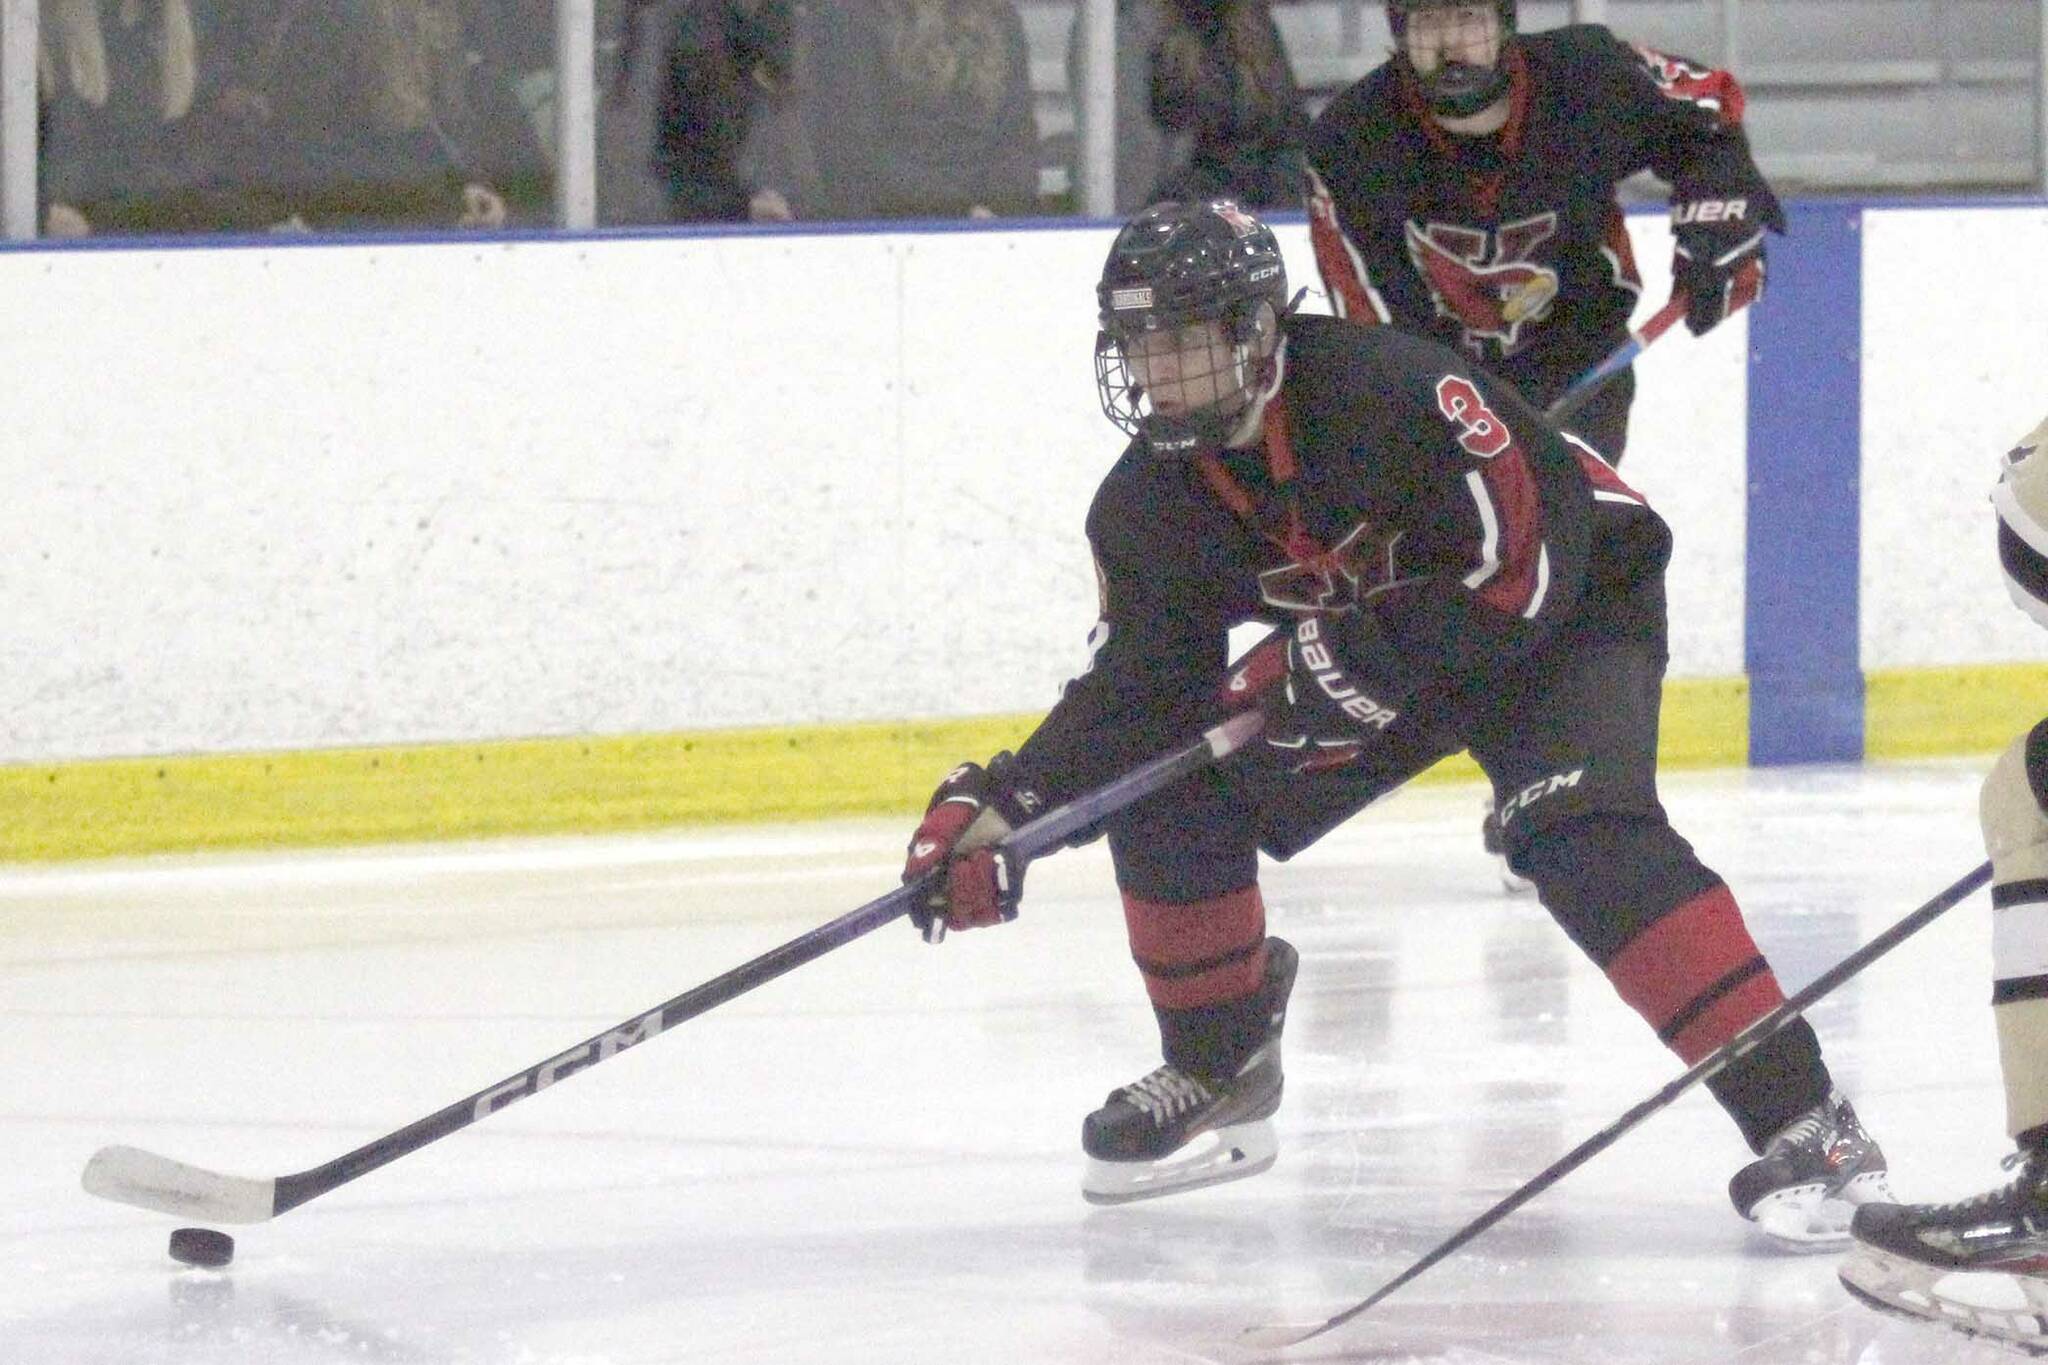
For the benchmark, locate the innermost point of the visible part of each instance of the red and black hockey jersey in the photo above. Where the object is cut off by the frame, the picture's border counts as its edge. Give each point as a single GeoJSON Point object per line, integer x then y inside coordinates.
{"type": "Point", "coordinates": [1511, 247]}
{"type": "Point", "coordinates": [1399, 491]}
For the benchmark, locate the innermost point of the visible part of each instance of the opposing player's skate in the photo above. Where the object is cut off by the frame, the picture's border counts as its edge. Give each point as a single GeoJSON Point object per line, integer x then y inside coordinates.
{"type": "Point", "coordinates": [1804, 1190]}
{"type": "Point", "coordinates": [1178, 1129]}
{"type": "Point", "coordinates": [1979, 1265]}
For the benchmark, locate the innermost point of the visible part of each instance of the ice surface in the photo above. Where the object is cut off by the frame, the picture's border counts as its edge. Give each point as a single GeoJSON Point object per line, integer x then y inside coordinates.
{"type": "Point", "coordinates": [876, 1158]}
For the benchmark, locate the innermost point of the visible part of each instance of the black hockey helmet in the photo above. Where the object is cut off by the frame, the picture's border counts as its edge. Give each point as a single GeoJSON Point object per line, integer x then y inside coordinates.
{"type": "Point", "coordinates": [1172, 269]}
{"type": "Point", "coordinates": [1455, 89]}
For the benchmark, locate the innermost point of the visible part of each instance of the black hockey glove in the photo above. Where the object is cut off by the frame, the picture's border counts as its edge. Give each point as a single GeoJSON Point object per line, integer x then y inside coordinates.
{"type": "Point", "coordinates": [1719, 261]}
{"type": "Point", "coordinates": [1317, 716]}
{"type": "Point", "coordinates": [976, 884]}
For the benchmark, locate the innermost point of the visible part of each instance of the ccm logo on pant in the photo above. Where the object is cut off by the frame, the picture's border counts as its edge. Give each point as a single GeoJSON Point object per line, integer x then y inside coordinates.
{"type": "Point", "coordinates": [1316, 655]}
{"type": "Point", "coordinates": [1536, 791]}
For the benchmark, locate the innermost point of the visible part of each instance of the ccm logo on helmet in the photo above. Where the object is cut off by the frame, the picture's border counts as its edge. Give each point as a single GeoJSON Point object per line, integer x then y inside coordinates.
{"type": "Point", "coordinates": [1710, 211]}
{"type": "Point", "coordinates": [1323, 668]}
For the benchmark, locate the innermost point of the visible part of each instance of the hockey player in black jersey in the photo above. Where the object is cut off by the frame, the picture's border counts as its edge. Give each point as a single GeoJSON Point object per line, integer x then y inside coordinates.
{"type": "Point", "coordinates": [1446, 572]}
{"type": "Point", "coordinates": [1465, 190]}
{"type": "Point", "coordinates": [1981, 1264]}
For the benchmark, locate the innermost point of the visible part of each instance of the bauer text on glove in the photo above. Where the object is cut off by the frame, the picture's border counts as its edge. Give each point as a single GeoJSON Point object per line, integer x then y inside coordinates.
{"type": "Point", "coordinates": [1718, 263]}
{"type": "Point", "coordinates": [1317, 715]}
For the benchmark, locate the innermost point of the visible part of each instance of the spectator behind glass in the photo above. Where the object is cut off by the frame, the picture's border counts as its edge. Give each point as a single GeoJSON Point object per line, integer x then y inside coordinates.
{"type": "Point", "coordinates": [728, 62]}
{"type": "Point", "coordinates": [1220, 75]}
{"type": "Point", "coordinates": [922, 109]}
{"type": "Point", "coordinates": [375, 113]}
{"type": "Point", "coordinates": [117, 81]}
{"type": "Point", "coordinates": [631, 77]}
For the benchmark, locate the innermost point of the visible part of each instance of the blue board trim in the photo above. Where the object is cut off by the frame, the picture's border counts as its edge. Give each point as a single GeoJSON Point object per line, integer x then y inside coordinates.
{"type": "Point", "coordinates": [1802, 629]}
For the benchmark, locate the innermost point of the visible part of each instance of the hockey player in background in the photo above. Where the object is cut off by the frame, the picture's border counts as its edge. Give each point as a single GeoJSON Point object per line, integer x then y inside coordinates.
{"type": "Point", "coordinates": [1466, 190]}
{"type": "Point", "coordinates": [1981, 1265]}
{"type": "Point", "coordinates": [1447, 572]}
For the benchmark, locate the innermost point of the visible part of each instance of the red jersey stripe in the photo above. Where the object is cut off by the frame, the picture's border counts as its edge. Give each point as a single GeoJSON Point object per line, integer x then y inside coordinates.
{"type": "Point", "coordinates": [1352, 295]}
{"type": "Point", "coordinates": [1505, 492]}
{"type": "Point", "coordinates": [1601, 474]}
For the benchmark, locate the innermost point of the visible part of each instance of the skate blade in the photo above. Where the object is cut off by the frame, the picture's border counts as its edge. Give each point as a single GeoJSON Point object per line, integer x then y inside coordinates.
{"type": "Point", "coordinates": [1230, 1153]}
{"type": "Point", "coordinates": [1803, 1219]}
{"type": "Point", "coordinates": [1808, 1219]}
{"type": "Point", "coordinates": [1996, 1307]}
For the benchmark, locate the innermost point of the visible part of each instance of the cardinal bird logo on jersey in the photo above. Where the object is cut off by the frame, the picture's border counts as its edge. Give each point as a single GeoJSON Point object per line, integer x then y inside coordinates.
{"type": "Point", "coordinates": [1486, 281]}
{"type": "Point", "coordinates": [1358, 570]}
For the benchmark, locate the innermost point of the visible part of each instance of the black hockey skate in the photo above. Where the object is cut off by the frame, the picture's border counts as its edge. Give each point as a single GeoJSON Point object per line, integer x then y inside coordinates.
{"type": "Point", "coordinates": [1813, 1174]}
{"type": "Point", "coordinates": [1178, 1130]}
{"type": "Point", "coordinates": [1979, 1266]}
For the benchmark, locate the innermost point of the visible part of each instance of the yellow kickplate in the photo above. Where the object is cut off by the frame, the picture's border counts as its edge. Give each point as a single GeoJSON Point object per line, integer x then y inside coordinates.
{"type": "Point", "coordinates": [104, 808]}
{"type": "Point", "coordinates": [1930, 712]}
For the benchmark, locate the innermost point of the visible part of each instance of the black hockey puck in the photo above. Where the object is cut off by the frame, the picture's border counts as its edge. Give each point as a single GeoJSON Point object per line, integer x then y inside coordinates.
{"type": "Point", "coordinates": [202, 1246]}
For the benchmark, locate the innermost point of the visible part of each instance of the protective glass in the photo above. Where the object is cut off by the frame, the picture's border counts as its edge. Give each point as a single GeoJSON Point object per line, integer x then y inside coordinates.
{"type": "Point", "coordinates": [178, 116]}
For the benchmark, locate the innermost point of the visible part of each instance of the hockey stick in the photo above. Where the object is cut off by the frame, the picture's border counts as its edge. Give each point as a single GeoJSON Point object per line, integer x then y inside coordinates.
{"type": "Point", "coordinates": [129, 1175]}
{"type": "Point", "coordinates": [1278, 1336]}
{"type": "Point", "coordinates": [1620, 358]}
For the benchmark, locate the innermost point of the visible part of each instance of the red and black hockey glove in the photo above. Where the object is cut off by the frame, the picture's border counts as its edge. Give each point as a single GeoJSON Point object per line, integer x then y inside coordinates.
{"type": "Point", "coordinates": [1317, 716]}
{"type": "Point", "coordinates": [977, 883]}
{"type": "Point", "coordinates": [1262, 669]}
{"type": "Point", "coordinates": [1718, 264]}
{"type": "Point", "coordinates": [1262, 679]}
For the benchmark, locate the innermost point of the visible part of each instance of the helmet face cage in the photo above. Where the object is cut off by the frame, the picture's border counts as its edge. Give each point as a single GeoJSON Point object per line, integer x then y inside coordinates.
{"type": "Point", "coordinates": [1190, 301]}
{"type": "Point", "coordinates": [1455, 89]}
{"type": "Point", "coordinates": [1181, 386]}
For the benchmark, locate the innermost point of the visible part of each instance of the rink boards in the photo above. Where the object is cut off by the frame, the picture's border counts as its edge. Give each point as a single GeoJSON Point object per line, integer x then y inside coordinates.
{"type": "Point", "coordinates": [340, 541]}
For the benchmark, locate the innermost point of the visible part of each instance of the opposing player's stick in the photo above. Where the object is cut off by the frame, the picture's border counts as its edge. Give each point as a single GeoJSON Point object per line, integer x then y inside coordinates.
{"type": "Point", "coordinates": [1620, 358]}
{"type": "Point", "coordinates": [1276, 1336]}
{"type": "Point", "coordinates": [146, 1180]}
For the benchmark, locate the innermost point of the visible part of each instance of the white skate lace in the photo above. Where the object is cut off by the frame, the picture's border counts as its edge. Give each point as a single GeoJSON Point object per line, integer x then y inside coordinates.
{"type": "Point", "coordinates": [1166, 1094]}
{"type": "Point", "coordinates": [1802, 1131]}
{"type": "Point", "coordinates": [1821, 1127]}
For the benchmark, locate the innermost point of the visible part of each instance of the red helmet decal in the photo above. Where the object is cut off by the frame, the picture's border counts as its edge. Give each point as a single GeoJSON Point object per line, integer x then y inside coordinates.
{"type": "Point", "coordinates": [1242, 223]}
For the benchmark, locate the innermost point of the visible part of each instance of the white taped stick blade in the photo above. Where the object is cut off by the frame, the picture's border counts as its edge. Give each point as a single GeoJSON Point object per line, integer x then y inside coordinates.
{"type": "Point", "coordinates": [129, 1175]}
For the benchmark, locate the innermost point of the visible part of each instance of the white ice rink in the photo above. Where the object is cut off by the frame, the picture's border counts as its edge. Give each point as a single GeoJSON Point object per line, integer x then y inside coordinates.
{"type": "Point", "coordinates": [875, 1158]}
